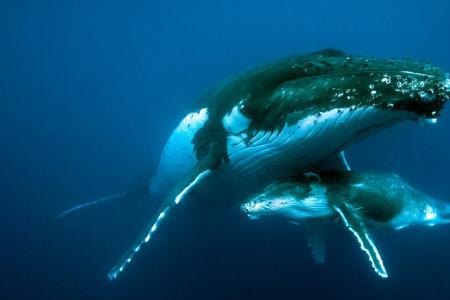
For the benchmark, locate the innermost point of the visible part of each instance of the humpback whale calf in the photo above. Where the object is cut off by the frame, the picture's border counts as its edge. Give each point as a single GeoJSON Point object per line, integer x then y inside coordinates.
{"type": "Point", "coordinates": [360, 200]}
{"type": "Point", "coordinates": [281, 119]}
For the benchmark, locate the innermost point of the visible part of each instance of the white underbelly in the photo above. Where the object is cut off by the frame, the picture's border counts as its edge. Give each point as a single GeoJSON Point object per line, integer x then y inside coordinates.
{"type": "Point", "coordinates": [294, 150]}
{"type": "Point", "coordinates": [271, 155]}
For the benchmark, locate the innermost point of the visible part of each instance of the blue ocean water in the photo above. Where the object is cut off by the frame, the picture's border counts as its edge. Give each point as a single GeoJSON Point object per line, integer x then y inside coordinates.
{"type": "Point", "coordinates": [90, 91]}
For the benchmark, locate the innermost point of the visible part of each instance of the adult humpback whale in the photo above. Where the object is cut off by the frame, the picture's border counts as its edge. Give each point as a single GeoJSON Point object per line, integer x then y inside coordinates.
{"type": "Point", "coordinates": [282, 119]}
{"type": "Point", "coordinates": [360, 200]}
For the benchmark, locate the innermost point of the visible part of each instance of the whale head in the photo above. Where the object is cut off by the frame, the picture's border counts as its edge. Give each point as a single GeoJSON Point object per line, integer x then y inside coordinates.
{"type": "Point", "coordinates": [328, 90]}
{"type": "Point", "coordinates": [324, 81]}
{"type": "Point", "coordinates": [290, 200]}
{"type": "Point", "coordinates": [418, 90]}
{"type": "Point", "coordinates": [428, 94]}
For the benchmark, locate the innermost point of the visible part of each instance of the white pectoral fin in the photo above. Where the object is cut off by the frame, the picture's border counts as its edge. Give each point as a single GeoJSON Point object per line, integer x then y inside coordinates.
{"type": "Point", "coordinates": [354, 222]}
{"type": "Point", "coordinates": [174, 198]}
{"type": "Point", "coordinates": [335, 162]}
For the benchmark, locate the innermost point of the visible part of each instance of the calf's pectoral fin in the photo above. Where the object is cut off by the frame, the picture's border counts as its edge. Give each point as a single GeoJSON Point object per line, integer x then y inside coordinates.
{"type": "Point", "coordinates": [316, 239]}
{"type": "Point", "coordinates": [316, 242]}
{"type": "Point", "coordinates": [355, 223]}
{"type": "Point", "coordinates": [176, 195]}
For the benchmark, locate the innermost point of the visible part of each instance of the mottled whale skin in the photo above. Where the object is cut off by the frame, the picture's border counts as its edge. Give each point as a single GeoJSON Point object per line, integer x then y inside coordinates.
{"type": "Point", "coordinates": [281, 119]}
{"type": "Point", "coordinates": [360, 200]}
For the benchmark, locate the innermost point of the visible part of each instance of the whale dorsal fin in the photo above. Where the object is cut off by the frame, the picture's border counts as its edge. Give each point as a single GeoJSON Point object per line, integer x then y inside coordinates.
{"type": "Point", "coordinates": [355, 223]}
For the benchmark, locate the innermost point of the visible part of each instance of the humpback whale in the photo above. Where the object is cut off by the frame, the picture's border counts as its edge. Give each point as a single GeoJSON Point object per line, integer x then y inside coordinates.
{"type": "Point", "coordinates": [360, 200]}
{"type": "Point", "coordinates": [281, 119]}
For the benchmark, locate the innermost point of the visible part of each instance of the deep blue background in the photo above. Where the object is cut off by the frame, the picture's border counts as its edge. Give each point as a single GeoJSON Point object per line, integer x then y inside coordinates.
{"type": "Point", "coordinates": [89, 92]}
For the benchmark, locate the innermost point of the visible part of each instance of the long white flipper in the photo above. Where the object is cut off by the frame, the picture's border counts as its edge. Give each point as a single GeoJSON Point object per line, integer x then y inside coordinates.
{"type": "Point", "coordinates": [91, 203]}
{"type": "Point", "coordinates": [353, 221]}
{"type": "Point", "coordinates": [174, 198]}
